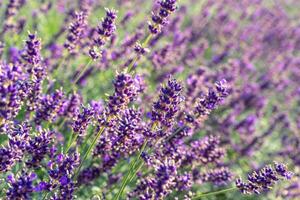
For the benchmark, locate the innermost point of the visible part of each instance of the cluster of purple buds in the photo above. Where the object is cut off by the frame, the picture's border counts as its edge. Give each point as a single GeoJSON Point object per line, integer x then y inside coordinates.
{"type": "Point", "coordinates": [209, 102]}
{"type": "Point", "coordinates": [159, 20]}
{"type": "Point", "coordinates": [159, 185]}
{"type": "Point", "coordinates": [165, 108]}
{"type": "Point", "coordinates": [32, 54]}
{"type": "Point", "coordinates": [61, 170]}
{"type": "Point", "coordinates": [11, 91]}
{"type": "Point", "coordinates": [125, 92]}
{"type": "Point", "coordinates": [11, 11]}
{"type": "Point", "coordinates": [76, 30]}
{"type": "Point", "coordinates": [218, 176]}
{"type": "Point", "coordinates": [39, 147]}
{"type": "Point", "coordinates": [21, 187]}
{"type": "Point", "coordinates": [140, 50]}
{"type": "Point", "coordinates": [71, 106]}
{"type": "Point", "coordinates": [264, 179]}
{"type": "Point", "coordinates": [126, 139]}
{"type": "Point", "coordinates": [49, 107]}
{"type": "Point", "coordinates": [184, 182]}
{"type": "Point", "coordinates": [18, 137]}
{"type": "Point", "coordinates": [207, 150]}
{"type": "Point", "coordinates": [82, 120]}
{"type": "Point", "coordinates": [105, 30]}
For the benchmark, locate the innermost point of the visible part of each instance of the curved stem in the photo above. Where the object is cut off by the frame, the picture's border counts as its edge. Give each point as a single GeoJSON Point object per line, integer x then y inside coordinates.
{"type": "Point", "coordinates": [213, 193]}
{"type": "Point", "coordinates": [89, 150]}
{"type": "Point", "coordinates": [131, 173]}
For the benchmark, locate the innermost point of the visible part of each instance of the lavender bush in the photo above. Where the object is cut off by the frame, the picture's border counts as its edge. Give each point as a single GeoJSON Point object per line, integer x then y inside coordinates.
{"type": "Point", "coordinates": [149, 100]}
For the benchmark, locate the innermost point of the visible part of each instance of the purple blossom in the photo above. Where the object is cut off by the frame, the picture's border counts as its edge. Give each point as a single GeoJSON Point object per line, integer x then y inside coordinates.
{"type": "Point", "coordinates": [82, 120]}
{"type": "Point", "coordinates": [39, 147]}
{"type": "Point", "coordinates": [49, 107]}
{"type": "Point", "coordinates": [218, 176]}
{"type": "Point", "coordinates": [21, 187]}
{"type": "Point", "coordinates": [264, 179]}
{"type": "Point", "coordinates": [105, 30]}
{"type": "Point", "coordinates": [159, 20]}
{"type": "Point", "coordinates": [165, 108]}
{"type": "Point", "coordinates": [76, 30]}
{"type": "Point", "coordinates": [125, 92]}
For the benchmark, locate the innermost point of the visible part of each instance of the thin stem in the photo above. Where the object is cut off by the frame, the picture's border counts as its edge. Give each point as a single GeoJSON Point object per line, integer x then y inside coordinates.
{"type": "Point", "coordinates": [144, 44]}
{"type": "Point", "coordinates": [89, 150]}
{"type": "Point", "coordinates": [130, 173]}
{"type": "Point", "coordinates": [82, 72]}
{"type": "Point", "coordinates": [213, 193]}
{"type": "Point", "coordinates": [70, 143]}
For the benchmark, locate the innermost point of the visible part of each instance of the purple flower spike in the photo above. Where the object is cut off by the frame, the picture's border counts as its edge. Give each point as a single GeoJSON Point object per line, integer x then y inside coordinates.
{"type": "Point", "coordinates": [264, 179]}
{"type": "Point", "coordinates": [105, 31]}
{"type": "Point", "coordinates": [159, 20]}
{"type": "Point", "coordinates": [166, 107]}
{"type": "Point", "coordinates": [76, 30]}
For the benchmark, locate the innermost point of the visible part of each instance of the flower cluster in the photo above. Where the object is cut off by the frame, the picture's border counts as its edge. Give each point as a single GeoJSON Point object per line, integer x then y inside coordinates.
{"type": "Point", "coordinates": [146, 133]}
{"type": "Point", "coordinates": [125, 92]}
{"type": "Point", "coordinates": [164, 110]}
{"type": "Point", "coordinates": [49, 107]}
{"type": "Point", "coordinates": [21, 187]}
{"type": "Point", "coordinates": [160, 19]}
{"type": "Point", "coordinates": [76, 30]}
{"type": "Point", "coordinates": [264, 179]}
{"type": "Point", "coordinates": [105, 31]}
{"type": "Point", "coordinates": [82, 120]}
{"type": "Point", "coordinates": [17, 144]}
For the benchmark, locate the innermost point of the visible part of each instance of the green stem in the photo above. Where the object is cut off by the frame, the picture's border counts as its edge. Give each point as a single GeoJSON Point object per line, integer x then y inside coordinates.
{"type": "Point", "coordinates": [145, 43]}
{"type": "Point", "coordinates": [213, 193]}
{"type": "Point", "coordinates": [82, 72]}
{"type": "Point", "coordinates": [131, 172]}
{"type": "Point", "coordinates": [89, 150]}
{"type": "Point", "coordinates": [70, 143]}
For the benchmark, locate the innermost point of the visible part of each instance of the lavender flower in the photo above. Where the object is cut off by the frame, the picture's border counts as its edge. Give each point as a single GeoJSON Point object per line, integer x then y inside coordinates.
{"type": "Point", "coordinates": [76, 30]}
{"type": "Point", "coordinates": [160, 19]}
{"type": "Point", "coordinates": [32, 54]}
{"type": "Point", "coordinates": [18, 137]}
{"type": "Point", "coordinates": [12, 9]}
{"type": "Point", "coordinates": [207, 150]}
{"type": "Point", "coordinates": [264, 179]}
{"type": "Point", "coordinates": [71, 106]}
{"type": "Point", "coordinates": [159, 185]}
{"type": "Point", "coordinates": [140, 50]}
{"type": "Point", "coordinates": [11, 91]}
{"type": "Point", "coordinates": [61, 170]}
{"type": "Point", "coordinates": [218, 176]}
{"type": "Point", "coordinates": [21, 187]}
{"type": "Point", "coordinates": [105, 30]}
{"type": "Point", "coordinates": [125, 92]}
{"type": "Point", "coordinates": [49, 107]}
{"type": "Point", "coordinates": [209, 102]}
{"type": "Point", "coordinates": [82, 120]}
{"type": "Point", "coordinates": [164, 110]}
{"type": "Point", "coordinates": [126, 137]}
{"type": "Point", "coordinates": [39, 147]}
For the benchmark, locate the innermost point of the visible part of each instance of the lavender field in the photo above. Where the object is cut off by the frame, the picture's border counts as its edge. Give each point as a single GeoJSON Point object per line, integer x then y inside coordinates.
{"type": "Point", "coordinates": [150, 99]}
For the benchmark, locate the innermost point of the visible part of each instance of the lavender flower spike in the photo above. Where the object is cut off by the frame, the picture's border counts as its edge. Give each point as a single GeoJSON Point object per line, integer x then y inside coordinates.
{"type": "Point", "coordinates": [264, 179]}
{"type": "Point", "coordinates": [105, 30]}
{"type": "Point", "coordinates": [76, 30]}
{"type": "Point", "coordinates": [159, 20]}
{"type": "Point", "coordinates": [166, 107]}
